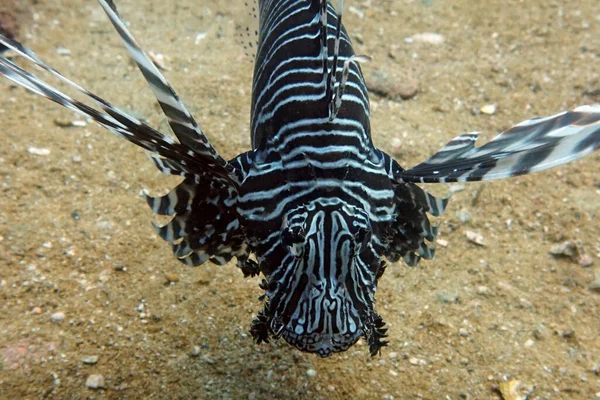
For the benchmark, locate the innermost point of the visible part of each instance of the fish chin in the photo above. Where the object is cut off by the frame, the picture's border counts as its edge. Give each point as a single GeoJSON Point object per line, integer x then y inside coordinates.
{"type": "Point", "coordinates": [322, 344]}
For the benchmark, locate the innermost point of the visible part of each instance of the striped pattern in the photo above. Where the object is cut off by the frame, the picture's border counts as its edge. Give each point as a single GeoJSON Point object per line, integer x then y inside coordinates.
{"type": "Point", "coordinates": [531, 146]}
{"type": "Point", "coordinates": [318, 198]}
{"type": "Point", "coordinates": [314, 207]}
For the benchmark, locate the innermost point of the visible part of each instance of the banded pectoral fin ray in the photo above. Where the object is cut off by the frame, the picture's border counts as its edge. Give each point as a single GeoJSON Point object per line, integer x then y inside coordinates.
{"type": "Point", "coordinates": [182, 123]}
{"type": "Point", "coordinates": [204, 224]}
{"type": "Point", "coordinates": [533, 145]}
{"type": "Point", "coordinates": [184, 160]}
{"type": "Point", "coordinates": [411, 236]}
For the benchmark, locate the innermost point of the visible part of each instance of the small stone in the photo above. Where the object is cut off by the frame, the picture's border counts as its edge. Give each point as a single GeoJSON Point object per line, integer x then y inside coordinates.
{"type": "Point", "coordinates": [442, 242]}
{"type": "Point", "coordinates": [36, 310]}
{"type": "Point", "coordinates": [392, 87]}
{"type": "Point", "coordinates": [488, 109]}
{"type": "Point", "coordinates": [38, 151]}
{"type": "Point", "coordinates": [252, 396]}
{"type": "Point", "coordinates": [483, 290]}
{"type": "Point", "coordinates": [475, 237]}
{"type": "Point", "coordinates": [568, 249]}
{"type": "Point", "coordinates": [585, 260]}
{"type": "Point", "coordinates": [67, 123]}
{"type": "Point", "coordinates": [57, 317]}
{"type": "Point", "coordinates": [95, 381]}
{"type": "Point", "coordinates": [311, 373]}
{"type": "Point", "coordinates": [463, 332]}
{"type": "Point", "coordinates": [196, 351]}
{"type": "Point", "coordinates": [120, 268]}
{"type": "Point", "coordinates": [447, 297]}
{"type": "Point", "coordinates": [529, 343]}
{"type": "Point", "coordinates": [596, 284]}
{"type": "Point", "coordinates": [171, 278]}
{"type": "Point", "coordinates": [514, 390]}
{"type": "Point", "coordinates": [199, 37]}
{"type": "Point", "coordinates": [393, 373]}
{"type": "Point", "coordinates": [79, 123]}
{"type": "Point", "coordinates": [76, 158]}
{"type": "Point", "coordinates": [331, 388]}
{"type": "Point", "coordinates": [89, 360]}
{"type": "Point", "coordinates": [393, 355]}
{"type": "Point", "coordinates": [568, 333]}
{"type": "Point", "coordinates": [63, 123]}
{"type": "Point", "coordinates": [426, 37]}
{"type": "Point", "coordinates": [61, 51]}
{"type": "Point", "coordinates": [416, 361]}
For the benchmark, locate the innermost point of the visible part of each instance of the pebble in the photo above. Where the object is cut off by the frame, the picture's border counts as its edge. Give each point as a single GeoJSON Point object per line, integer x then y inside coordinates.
{"type": "Point", "coordinates": [36, 310]}
{"type": "Point", "coordinates": [488, 109]}
{"type": "Point", "coordinates": [393, 355]}
{"type": "Point", "coordinates": [196, 351]}
{"type": "Point", "coordinates": [475, 237]}
{"type": "Point", "coordinates": [416, 361]}
{"type": "Point", "coordinates": [172, 278]}
{"type": "Point", "coordinates": [61, 51]}
{"type": "Point", "coordinates": [57, 317]}
{"type": "Point", "coordinates": [426, 37]}
{"type": "Point", "coordinates": [514, 390]}
{"type": "Point", "coordinates": [38, 151]}
{"type": "Point", "coordinates": [585, 260]}
{"type": "Point", "coordinates": [89, 360]}
{"type": "Point", "coordinates": [79, 123]}
{"type": "Point", "coordinates": [311, 373]}
{"type": "Point", "coordinates": [442, 242]}
{"type": "Point", "coordinates": [447, 297]}
{"type": "Point", "coordinates": [393, 373]}
{"type": "Point", "coordinates": [391, 87]}
{"type": "Point", "coordinates": [483, 290]}
{"type": "Point", "coordinates": [199, 37]}
{"type": "Point", "coordinates": [596, 284]}
{"type": "Point", "coordinates": [566, 249]}
{"type": "Point", "coordinates": [463, 332]}
{"type": "Point", "coordinates": [66, 123]}
{"type": "Point", "coordinates": [95, 381]}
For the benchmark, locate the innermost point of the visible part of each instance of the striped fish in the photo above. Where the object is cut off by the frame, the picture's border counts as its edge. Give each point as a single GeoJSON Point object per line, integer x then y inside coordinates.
{"type": "Point", "coordinates": [314, 206]}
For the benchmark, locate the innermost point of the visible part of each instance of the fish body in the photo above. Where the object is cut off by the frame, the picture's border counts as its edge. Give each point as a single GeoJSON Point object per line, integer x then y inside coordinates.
{"type": "Point", "coordinates": [314, 207]}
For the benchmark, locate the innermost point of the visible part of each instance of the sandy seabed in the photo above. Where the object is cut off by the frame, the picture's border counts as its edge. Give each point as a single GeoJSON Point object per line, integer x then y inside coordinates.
{"type": "Point", "coordinates": [76, 240]}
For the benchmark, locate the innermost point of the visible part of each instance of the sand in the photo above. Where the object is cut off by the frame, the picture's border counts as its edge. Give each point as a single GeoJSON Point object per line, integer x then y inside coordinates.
{"type": "Point", "coordinates": [84, 279]}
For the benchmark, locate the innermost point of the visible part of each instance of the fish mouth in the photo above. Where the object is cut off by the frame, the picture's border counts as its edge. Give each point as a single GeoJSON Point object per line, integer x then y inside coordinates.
{"type": "Point", "coordinates": [322, 344]}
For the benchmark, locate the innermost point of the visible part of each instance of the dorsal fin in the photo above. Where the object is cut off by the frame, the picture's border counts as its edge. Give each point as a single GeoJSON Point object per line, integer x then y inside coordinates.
{"type": "Point", "coordinates": [246, 29]}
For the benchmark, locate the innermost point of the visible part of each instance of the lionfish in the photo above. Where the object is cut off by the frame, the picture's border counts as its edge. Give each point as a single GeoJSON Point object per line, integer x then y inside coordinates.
{"type": "Point", "coordinates": [314, 206]}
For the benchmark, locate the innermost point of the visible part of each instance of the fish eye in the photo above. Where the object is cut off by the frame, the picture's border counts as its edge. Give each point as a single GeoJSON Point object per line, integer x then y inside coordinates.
{"type": "Point", "coordinates": [293, 239]}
